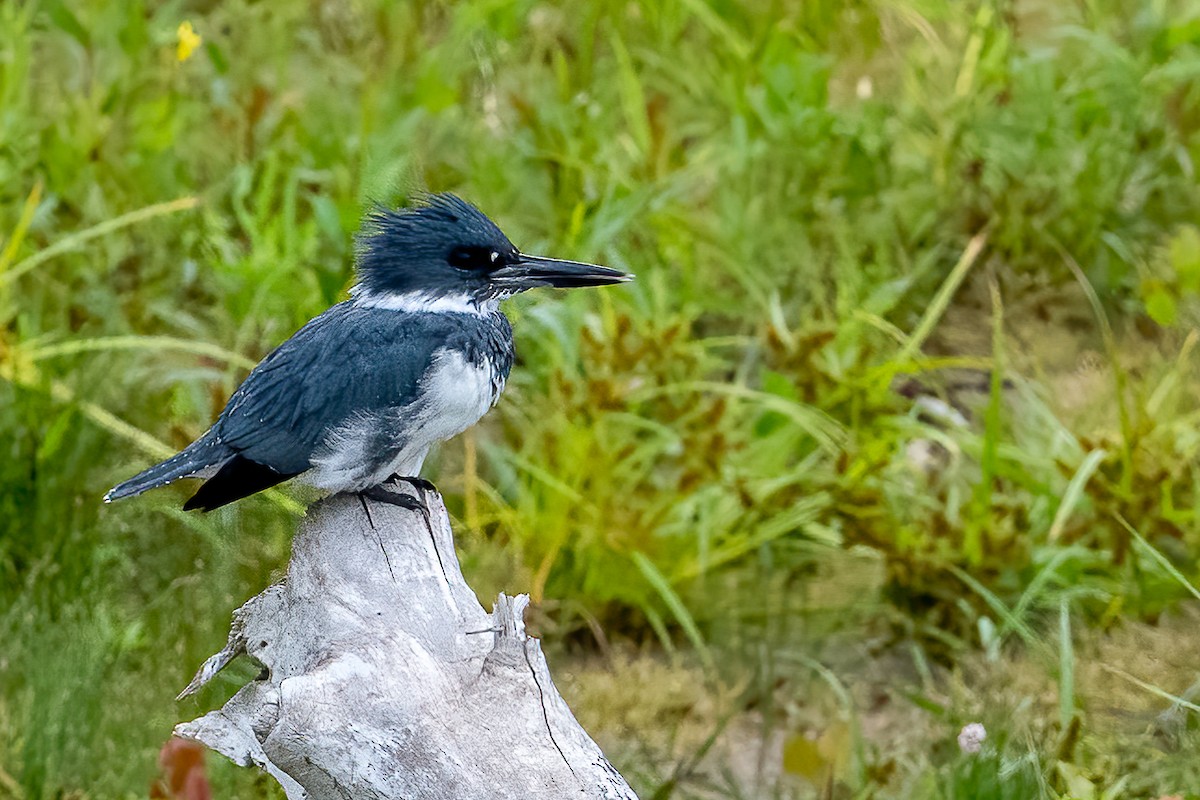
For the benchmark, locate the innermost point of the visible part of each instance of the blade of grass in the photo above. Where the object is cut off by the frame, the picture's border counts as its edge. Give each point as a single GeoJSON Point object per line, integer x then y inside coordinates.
{"type": "Point", "coordinates": [1175, 376]}
{"type": "Point", "coordinates": [1120, 378]}
{"type": "Point", "coordinates": [802, 513]}
{"type": "Point", "coordinates": [77, 239]}
{"type": "Point", "coordinates": [827, 431]}
{"type": "Point", "coordinates": [1074, 492]}
{"type": "Point", "coordinates": [1066, 665]}
{"type": "Point", "coordinates": [989, 462]}
{"type": "Point", "coordinates": [23, 222]}
{"type": "Point", "coordinates": [971, 55]}
{"type": "Point", "coordinates": [719, 27]}
{"type": "Point", "coordinates": [1149, 687]}
{"type": "Point", "coordinates": [884, 373]}
{"type": "Point", "coordinates": [941, 301]}
{"type": "Point", "coordinates": [106, 343]}
{"type": "Point", "coordinates": [633, 98]}
{"type": "Point", "coordinates": [660, 630]}
{"type": "Point", "coordinates": [544, 477]}
{"type": "Point", "coordinates": [10, 786]}
{"type": "Point", "coordinates": [1158, 557]}
{"type": "Point", "coordinates": [660, 584]}
{"type": "Point", "coordinates": [112, 423]}
{"type": "Point", "coordinates": [997, 605]}
{"type": "Point", "coordinates": [1033, 590]}
{"type": "Point", "coordinates": [147, 443]}
{"type": "Point", "coordinates": [880, 324]}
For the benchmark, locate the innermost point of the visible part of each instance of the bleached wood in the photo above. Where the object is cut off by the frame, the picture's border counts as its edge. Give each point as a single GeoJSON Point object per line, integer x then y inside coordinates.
{"type": "Point", "coordinates": [385, 678]}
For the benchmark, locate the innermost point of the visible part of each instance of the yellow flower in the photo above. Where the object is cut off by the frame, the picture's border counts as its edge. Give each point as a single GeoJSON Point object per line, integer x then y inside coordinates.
{"type": "Point", "coordinates": [189, 40]}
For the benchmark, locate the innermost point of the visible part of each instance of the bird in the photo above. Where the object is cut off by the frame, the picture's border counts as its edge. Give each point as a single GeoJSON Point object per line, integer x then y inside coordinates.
{"type": "Point", "coordinates": [418, 354]}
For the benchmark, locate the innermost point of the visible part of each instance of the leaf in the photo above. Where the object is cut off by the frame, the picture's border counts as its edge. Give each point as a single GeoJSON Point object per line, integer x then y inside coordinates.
{"type": "Point", "coordinates": [1184, 255]}
{"type": "Point", "coordinates": [1078, 786]}
{"type": "Point", "coordinates": [802, 756]}
{"type": "Point", "coordinates": [1161, 307]}
{"type": "Point", "coordinates": [778, 384]}
{"type": "Point", "coordinates": [1074, 493]}
{"type": "Point", "coordinates": [817, 758]}
{"type": "Point", "coordinates": [68, 23]}
{"type": "Point", "coordinates": [53, 439]}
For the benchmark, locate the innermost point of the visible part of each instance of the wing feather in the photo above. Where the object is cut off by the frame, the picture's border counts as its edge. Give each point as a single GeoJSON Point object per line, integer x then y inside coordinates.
{"type": "Point", "coordinates": [348, 361]}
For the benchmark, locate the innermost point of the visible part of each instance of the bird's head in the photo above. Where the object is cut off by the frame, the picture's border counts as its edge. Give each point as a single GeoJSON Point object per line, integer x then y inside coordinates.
{"type": "Point", "coordinates": [444, 253]}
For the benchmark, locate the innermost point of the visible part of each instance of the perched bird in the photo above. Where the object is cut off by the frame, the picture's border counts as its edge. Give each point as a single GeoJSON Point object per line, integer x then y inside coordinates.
{"type": "Point", "coordinates": [417, 355]}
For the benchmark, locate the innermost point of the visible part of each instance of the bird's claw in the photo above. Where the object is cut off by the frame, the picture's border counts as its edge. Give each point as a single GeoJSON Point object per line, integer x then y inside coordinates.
{"type": "Point", "coordinates": [381, 494]}
{"type": "Point", "coordinates": [420, 484]}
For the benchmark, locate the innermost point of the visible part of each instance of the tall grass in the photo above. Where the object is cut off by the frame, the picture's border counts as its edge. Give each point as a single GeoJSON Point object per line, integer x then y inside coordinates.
{"type": "Point", "coordinates": [833, 408]}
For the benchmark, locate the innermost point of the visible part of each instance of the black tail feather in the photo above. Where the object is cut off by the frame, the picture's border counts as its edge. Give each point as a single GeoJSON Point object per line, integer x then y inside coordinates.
{"type": "Point", "coordinates": [196, 457]}
{"type": "Point", "coordinates": [239, 477]}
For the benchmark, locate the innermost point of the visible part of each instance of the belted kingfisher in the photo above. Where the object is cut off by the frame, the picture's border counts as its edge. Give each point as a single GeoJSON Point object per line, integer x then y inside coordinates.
{"type": "Point", "coordinates": [417, 355]}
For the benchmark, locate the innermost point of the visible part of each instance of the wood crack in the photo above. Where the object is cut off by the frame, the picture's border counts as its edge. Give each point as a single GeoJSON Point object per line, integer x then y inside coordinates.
{"type": "Point", "coordinates": [382, 549]}
{"type": "Point", "coordinates": [542, 703]}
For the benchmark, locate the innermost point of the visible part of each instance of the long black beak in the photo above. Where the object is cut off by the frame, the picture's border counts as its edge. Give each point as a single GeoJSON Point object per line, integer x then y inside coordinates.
{"type": "Point", "coordinates": [532, 271]}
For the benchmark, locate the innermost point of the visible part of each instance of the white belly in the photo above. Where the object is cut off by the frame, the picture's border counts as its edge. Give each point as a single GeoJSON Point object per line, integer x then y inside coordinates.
{"type": "Point", "coordinates": [365, 450]}
{"type": "Point", "coordinates": [455, 394]}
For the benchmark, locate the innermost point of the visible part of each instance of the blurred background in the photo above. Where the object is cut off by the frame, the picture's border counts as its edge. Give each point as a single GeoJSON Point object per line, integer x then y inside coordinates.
{"type": "Point", "coordinates": [896, 431]}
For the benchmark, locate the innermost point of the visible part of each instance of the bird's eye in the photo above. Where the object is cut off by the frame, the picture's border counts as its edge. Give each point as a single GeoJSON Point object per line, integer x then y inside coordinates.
{"type": "Point", "coordinates": [473, 258]}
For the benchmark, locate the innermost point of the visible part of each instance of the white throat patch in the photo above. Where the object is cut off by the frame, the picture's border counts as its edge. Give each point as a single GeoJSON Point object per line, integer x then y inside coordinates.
{"type": "Point", "coordinates": [423, 301]}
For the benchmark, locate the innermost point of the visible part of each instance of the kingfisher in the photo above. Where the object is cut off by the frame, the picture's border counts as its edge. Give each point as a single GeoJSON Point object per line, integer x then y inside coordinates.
{"type": "Point", "coordinates": [357, 397]}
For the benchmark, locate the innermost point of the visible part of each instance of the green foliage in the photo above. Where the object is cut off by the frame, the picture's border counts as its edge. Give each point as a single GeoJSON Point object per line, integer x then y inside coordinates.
{"type": "Point", "coordinates": [840, 214]}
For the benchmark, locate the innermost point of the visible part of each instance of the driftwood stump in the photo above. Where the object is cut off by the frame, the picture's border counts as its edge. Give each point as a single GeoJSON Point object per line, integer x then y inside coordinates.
{"type": "Point", "coordinates": [383, 677]}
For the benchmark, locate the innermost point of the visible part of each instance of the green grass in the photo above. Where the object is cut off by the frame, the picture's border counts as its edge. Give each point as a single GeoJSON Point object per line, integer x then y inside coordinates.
{"type": "Point", "coordinates": [830, 207]}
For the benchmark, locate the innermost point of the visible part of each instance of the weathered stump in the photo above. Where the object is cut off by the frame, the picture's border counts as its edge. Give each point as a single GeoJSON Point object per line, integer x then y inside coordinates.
{"type": "Point", "coordinates": [383, 677]}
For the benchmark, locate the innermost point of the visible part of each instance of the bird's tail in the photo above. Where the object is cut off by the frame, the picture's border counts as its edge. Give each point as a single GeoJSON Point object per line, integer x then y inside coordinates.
{"type": "Point", "coordinates": [194, 459]}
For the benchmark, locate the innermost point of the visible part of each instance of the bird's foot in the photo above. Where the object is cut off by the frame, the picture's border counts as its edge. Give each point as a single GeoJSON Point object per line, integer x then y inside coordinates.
{"type": "Point", "coordinates": [381, 494]}
{"type": "Point", "coordinates": [420, 484]}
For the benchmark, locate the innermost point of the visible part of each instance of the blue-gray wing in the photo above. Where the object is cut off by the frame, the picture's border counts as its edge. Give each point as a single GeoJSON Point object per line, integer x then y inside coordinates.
{"type": "Point", "coordinates": [348, 361]}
